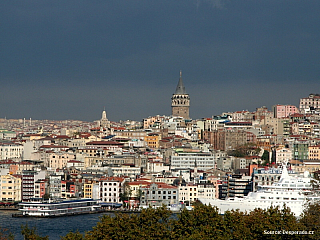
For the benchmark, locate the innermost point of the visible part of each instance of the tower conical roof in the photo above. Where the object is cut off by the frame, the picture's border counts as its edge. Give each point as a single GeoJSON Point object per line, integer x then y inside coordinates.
{"type": "Point", "coordinates": [180, 87]}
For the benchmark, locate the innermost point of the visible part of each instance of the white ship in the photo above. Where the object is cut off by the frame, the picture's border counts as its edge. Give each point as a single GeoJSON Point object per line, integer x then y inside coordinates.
{"type": "Point", "coordinates": [294, 192]}
{"type": "Point", "coordinates": [37, 208]}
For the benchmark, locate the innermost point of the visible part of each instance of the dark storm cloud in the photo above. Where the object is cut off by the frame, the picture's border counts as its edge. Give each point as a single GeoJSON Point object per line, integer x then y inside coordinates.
{"type": "Point", "coordinates": [69, 59]}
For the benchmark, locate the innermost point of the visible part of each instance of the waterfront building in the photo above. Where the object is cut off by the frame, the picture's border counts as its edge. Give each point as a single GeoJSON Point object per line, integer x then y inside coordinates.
{"type": "Point", "coordinates": [40, 187]}
{"type": "Point", "coordinates": [235, 186]}
{"type": "Point", "coordinates": [88, 189]}
{"type": "Point", "coordinates": [188, 193]}
{"type": "Point", "coordinates": [158, 194]}
{"type": "Point", "coordinates": [110, 189]}
{"type": "Point", "coordinates": [55, 186]}
{"type": "Point", "coordinates": [206, 190]}
{"type": "Point", "coordinates": [10, 187]}
{"type": "Point", "coordinates": [68, 189]}
{"type": "Point", "coordinates": [27, 184]}
{"type": "Point", "coordinates": [135, 188]}
{"type": "Point", "coordinates": [180, 101]}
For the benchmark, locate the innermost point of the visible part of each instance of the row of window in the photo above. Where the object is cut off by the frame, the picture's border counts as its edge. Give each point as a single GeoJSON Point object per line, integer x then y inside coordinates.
{"type": "Point", "coordinates": [110, 189]}
{"type": "Point", "coordinates": [110, 184]}
{"type": "Point", "coordinates": [159, 192]}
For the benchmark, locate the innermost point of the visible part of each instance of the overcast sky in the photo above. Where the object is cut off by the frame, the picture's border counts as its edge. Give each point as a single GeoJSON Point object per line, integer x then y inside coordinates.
{"type": "Point", "coordinates": [71, 59]}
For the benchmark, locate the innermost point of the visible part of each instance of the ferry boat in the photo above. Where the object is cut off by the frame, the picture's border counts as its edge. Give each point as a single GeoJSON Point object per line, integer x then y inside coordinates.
{"type": "Point", "coordinates": [40, 208]}
{"type": "Point", "coordinates": [293, 192]}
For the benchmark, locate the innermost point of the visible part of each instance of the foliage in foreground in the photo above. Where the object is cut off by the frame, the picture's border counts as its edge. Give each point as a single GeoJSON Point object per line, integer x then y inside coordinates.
{"type": "Point", "coordinates": [31, 233]}
{"type": "Point", "coordinates": [204, 222]}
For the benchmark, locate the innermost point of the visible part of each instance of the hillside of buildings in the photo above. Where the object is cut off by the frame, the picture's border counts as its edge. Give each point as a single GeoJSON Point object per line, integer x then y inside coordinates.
{"type": "Point", "coordinates": [162, 159]}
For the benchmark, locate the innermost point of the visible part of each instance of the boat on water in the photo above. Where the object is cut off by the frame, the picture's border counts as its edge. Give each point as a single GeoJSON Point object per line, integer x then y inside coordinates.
{"type": "Point", "coordinates": [292, 192]}
{"type": "Point", "coordinates": [49, 208]}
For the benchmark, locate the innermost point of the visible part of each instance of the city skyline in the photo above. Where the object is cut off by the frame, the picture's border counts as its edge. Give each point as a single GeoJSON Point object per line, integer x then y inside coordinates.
{"type": "Point", "coordinates": [69, 60]}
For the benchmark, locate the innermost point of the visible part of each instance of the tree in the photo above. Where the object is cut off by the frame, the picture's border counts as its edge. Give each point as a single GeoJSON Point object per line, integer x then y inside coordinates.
{"type": "Point", "coordinates": [127, 193]}
{"type": "Point", "coordinates": [310, 220]}
{"type": "Point", "coordinates": [236, 223]}
{"type": "Point", "coordinates": [204, 222]}
{"type": "Point", "coordinates": [5, 234]}
{"type": "Point", "coordinates": [149, 224]}
{"type": "Point", "coordinates": [46, 196]}
{"type": "Point", "coordinates": [247, 149]}
{"type": "Point", "coordinates": [265, 157]}
{"type": "Point", "coordinates": [73, 236]}
{"type": "Point", "coordinates": [31, 233]}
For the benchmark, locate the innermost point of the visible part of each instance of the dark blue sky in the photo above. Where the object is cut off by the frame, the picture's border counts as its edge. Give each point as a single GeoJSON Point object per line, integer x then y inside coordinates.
{"type": "Point", "coordinates": [70, 59]}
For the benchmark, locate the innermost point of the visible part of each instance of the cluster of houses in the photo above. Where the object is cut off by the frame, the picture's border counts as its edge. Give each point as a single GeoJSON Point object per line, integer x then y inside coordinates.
{"type": "Point", "coordinates": [161, 160]}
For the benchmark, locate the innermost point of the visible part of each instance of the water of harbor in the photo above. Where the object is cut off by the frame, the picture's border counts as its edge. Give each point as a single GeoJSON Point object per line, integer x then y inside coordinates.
{"type": "Point", "coordinates": [52, 227]}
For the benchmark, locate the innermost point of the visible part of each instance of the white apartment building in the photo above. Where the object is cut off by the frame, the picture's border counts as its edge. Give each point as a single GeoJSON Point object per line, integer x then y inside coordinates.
{"type": "Point", "coordinates": [188, 193]}
{"type": "Point", "coordinates": [203, 161]}
{"type": "Point", "coordinates": [308, 103]}
{"type": "Point", "coordinates": [206, 190]}
{"type": "Point", "coordinates": [11, 150]}
{"type": "Point", "coordinates": [58, 159]}
{"type": "Point", "coordinates": [283, 154]}
{"type": "Point", "coordinates": [156, 166]}
{"type": "Point", "coordinates": [110, 189]}
{"type": "Point", "coordinates": [55, 186]}
{"type": "Point", "coordinates": [126, 171]}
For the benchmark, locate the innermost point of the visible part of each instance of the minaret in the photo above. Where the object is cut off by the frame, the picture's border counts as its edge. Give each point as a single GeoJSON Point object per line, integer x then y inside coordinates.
{"type": "Point", "coordinates": [180, 101]}
{"type": "Point", "coordinates": [104, 114]}
{"type": "Point", "coordinates": [105, 123]}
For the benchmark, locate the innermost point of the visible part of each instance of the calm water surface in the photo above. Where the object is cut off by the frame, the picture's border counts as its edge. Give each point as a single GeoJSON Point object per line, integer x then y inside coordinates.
{"type": "Point", "coordinates": [52, 227]}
